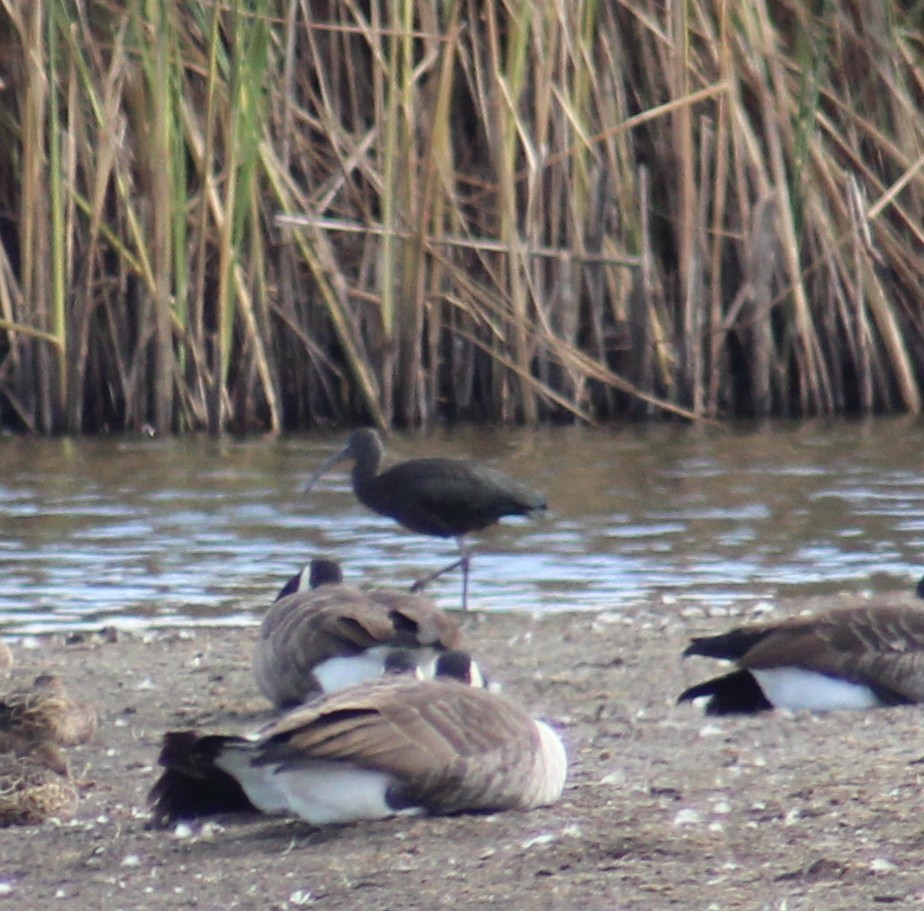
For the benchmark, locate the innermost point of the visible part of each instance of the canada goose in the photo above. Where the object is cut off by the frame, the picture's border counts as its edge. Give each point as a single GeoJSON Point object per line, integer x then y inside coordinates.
{"type": "Point", "coordinates": [45, 711]}
{"type": "Point", "coordinates": [320, 571]}
{"type": "Point", "coordinates": [388, 746]}
{"type": "Point", "coordinates": [846, 658]}
{"type": "Point", "coordinates": [334, 635]}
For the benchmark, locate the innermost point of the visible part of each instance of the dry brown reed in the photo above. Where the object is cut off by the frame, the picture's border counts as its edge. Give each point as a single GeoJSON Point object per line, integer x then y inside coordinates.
{"type": "Point", "coordinates": [270, 215]}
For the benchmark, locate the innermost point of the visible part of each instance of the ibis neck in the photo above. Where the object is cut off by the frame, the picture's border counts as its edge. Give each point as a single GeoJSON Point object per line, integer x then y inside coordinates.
{"type": "Point", "coordinates": [365, 448]}
{"type": "Point", "coordinates": [365, 467]}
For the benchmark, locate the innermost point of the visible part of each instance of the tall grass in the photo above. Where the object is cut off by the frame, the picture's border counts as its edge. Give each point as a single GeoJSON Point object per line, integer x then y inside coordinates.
{"type": "Point", "coordinates": [269, 215]}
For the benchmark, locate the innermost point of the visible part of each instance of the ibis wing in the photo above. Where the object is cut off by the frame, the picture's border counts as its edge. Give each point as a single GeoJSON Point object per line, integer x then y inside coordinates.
{"type": "Point", "coordinates": [449, 497]}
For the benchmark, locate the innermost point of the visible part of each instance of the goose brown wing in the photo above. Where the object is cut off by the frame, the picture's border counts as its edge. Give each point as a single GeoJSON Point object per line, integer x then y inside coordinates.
{"type": "Point", "coordinates": [338, 613]}
{"type": "Point", "coordinates": [416, 620]}
{"type": "Point", "coordinates": [305, 629]}
{"type": "Point", "coordinates": [875, 629]}
{"type": "Point", "coordinates": [449, 746]}
{"type": "Point", "coordinates": [340, 628]}
{"type": "Point", "coordinates": [879, 646]}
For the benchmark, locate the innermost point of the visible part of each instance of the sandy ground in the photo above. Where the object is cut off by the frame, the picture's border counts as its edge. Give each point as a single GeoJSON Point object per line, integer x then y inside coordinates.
{"type": "Point", "coordinates": [664, 808]}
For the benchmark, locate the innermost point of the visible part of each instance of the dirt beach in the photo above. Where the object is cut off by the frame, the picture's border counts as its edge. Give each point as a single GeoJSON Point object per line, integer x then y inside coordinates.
{"type": "Point", "coordinates": [664, 808]}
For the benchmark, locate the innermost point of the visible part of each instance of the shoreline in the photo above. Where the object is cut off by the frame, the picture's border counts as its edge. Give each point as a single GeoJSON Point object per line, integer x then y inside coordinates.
{"type": "Point", "coordinates": [663, 807]}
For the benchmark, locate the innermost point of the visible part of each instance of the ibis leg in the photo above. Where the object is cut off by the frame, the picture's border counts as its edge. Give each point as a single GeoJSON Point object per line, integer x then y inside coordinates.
{"type": "Point", "coordinates": [463, 561]}
{"type": "Point", "coordinates": [421, 584]}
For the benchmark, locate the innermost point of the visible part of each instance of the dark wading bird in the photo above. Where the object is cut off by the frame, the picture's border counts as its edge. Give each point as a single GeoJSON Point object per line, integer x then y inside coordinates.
{"type": "Point", "coordinates": [847, 658]}
{"type": "Point", "coordinates": [446, 498]}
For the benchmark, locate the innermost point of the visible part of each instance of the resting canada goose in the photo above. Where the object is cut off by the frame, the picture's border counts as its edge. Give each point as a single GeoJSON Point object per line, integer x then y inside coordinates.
{"type": "Point", "coordinates": [394, 745]}
{"type": "Point", "coordinates": [334, 635]}
{"type": "Point", "coordinates": [848, 658]}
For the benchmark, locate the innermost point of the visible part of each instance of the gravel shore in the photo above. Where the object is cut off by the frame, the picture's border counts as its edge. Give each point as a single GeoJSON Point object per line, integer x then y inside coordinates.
{"type": "Point", "coordinates": [664, 808]}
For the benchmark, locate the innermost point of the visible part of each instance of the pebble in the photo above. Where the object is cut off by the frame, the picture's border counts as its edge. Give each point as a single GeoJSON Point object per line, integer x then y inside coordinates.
{"type": "Point", "coordinates": [686, 818]}
{"type": "Point", "coordinates": [543, 839]}
{"type": "Point", "coordinates": [616, 778]}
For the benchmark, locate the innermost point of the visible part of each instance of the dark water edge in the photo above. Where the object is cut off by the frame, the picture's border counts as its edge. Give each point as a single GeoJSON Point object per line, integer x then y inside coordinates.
{"type": "Point", "coordinates": [135, 531]}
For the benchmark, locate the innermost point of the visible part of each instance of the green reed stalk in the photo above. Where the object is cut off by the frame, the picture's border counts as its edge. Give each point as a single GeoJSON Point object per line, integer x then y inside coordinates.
{"type": "Point", "coordinates": [32, 33]}
{"type": "Point", "coordinates": [509, 72]}
{"type": "Point", "coordinates": [439, 211]}
{"type": "Point", "coordinates": [156, 53]}
{"type": "Point", "coordinates": [56, 202]}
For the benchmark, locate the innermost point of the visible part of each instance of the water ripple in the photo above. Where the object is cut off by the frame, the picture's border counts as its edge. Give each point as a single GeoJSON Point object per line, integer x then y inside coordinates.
{"type": "Point", "coordinates": [156, 533]}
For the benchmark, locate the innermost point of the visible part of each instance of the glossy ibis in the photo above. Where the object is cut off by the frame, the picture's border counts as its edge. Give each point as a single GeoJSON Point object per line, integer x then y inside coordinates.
{"type": "Point", "coordinates": [330, 636]}
{"type": "Point", "coordinates": [389, 746]}
{"type": "Point", "coordinates": [847, 658]}
{"type": "Point", "coordinates": [447, 498]}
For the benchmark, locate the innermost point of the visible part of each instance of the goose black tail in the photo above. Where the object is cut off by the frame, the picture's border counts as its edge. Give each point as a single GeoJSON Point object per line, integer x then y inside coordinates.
{"type": "Point", "coordinates": [729, 646]}
{"type": "Point", "coordinates": [191, 785]}
{"type": "Point", "coordinates": [737, 693]}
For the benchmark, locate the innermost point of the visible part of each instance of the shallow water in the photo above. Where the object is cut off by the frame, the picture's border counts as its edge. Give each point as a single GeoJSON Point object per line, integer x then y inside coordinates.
{"type": "Point", "coordinates": [136, 531]}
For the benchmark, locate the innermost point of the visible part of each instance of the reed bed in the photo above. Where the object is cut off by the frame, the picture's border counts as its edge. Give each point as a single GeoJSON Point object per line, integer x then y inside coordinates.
{"type": "Point", "coordinates": [269, 215]}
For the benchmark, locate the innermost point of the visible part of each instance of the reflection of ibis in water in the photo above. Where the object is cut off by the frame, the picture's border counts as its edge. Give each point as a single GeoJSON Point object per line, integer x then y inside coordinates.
{"type": "Point", "coordinates": [447, 498]}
